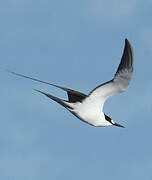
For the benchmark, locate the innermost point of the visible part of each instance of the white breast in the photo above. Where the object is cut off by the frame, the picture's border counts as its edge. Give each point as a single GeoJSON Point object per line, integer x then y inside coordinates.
{"type": "Point", "coordinates": [90, 111]}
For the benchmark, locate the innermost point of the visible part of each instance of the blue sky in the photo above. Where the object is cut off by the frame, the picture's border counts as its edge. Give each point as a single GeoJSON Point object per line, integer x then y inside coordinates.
{"type": "Point", "coordinates": [76, 44]}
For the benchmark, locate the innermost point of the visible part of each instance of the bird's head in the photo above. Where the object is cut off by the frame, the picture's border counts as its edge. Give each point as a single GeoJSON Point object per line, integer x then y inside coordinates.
{"type": "Point", "coordinates": [112, 122]}
{"type": "Point", "coordinates": [116, 124]}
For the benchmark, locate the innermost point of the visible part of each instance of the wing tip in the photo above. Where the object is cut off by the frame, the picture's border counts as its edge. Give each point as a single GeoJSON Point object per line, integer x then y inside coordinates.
{"type": "Point", "coordinates": [128, 45]}
{"type": "Point", "coordinates": [127, 42]}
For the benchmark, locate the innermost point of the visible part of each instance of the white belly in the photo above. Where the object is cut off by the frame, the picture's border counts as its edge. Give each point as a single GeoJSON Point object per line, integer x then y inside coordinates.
{"type": "Point", "coordinates": [91, 113]}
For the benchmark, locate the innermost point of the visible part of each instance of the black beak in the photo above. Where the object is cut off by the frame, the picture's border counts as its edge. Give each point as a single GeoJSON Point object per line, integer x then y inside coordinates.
{"type": "Point", "coordinates": [116, 124]}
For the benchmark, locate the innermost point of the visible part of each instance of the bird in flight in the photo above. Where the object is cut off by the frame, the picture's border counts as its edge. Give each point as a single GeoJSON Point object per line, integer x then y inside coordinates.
{"type": "Point", "coordinates": [89, 108]}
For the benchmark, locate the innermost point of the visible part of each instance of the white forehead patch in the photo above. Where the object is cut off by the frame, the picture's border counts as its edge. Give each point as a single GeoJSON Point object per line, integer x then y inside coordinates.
{"type": "Point", "coordinates": [112, 121]}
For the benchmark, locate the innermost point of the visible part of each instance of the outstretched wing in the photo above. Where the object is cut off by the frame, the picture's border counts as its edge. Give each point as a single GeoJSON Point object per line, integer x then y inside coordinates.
{"type": "Point", "coordinates": [121, 79]}
{"type": "Point", "coordinates": [73, 96]}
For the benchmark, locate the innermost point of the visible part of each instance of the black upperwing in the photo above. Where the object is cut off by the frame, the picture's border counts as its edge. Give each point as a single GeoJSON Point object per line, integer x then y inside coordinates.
{"type": "Point", "coordinates": [75, 96]}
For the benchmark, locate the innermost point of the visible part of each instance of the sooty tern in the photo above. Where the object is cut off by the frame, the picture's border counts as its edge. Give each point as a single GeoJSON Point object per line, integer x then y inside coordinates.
{"type": "Point", "coordinates": [89, 108]}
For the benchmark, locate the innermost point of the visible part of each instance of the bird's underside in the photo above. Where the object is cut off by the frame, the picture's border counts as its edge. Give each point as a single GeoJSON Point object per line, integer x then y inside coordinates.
{"type": "Point", "coordinates": [89, 107]}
